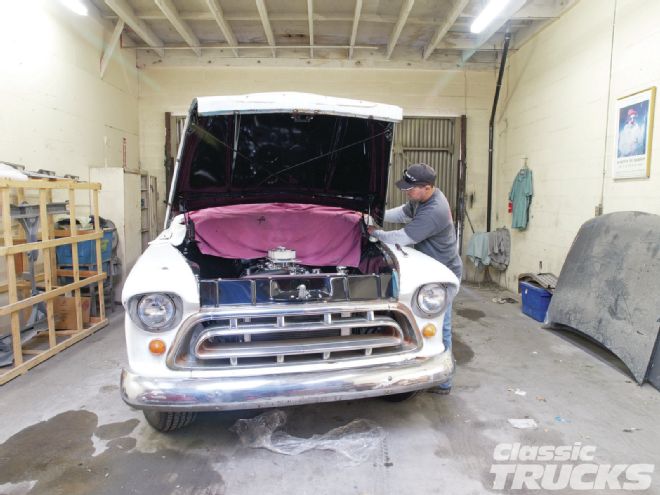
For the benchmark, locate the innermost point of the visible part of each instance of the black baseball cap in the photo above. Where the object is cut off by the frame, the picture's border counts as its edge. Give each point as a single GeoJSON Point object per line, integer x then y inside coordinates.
{"type": "Point", "coordinates": [419, 174]}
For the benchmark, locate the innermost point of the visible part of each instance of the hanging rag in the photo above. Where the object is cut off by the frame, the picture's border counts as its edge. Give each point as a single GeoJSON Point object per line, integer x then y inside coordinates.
{"type": "Point", "coordinates": [477, 250]}
{"type": "Point", "coordinates": [521, 197]}
{"type": "Point", "coordinates": [499, 247]}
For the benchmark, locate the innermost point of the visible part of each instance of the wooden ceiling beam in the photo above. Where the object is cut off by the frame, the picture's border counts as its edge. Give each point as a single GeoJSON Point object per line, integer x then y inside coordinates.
{"type": "Point", "coordinates": [398, 27]}
{"type": "Point", "coordinates": [220, 19]}
{"type": "Point", "coordinates": [442, 30]}
{"type": "Point", "coordinates": [246, 46]}
{"type": "Point", "coordinates": [356, 20]}
{"type": "Point", "coordinates": [263, 14]}
{"type": "Point", "coordinates": [310, 19]}
{"type": "Point", "coordinates": [125, 12]}
{"type": "Point", "coordinates": [154, 15]}
{"type": "Point", "coordinates": [112, 44]}
{"type": "Point", "coordinates": [181, 26]}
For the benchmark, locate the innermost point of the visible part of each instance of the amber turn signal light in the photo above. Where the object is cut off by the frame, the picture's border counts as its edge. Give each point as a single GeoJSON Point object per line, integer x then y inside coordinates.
{"type": "Point", "coordinates": [429, 330]}
{"type": "Point", "coordinates": [157, 346]}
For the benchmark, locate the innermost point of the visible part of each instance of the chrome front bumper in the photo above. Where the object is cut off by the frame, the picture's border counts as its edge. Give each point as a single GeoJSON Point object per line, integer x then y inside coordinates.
{"type": "Point", "coordinates": [286, 389]}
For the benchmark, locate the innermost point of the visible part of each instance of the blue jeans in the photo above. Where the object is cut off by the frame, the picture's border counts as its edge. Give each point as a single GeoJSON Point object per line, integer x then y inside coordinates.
{"type": "Point", "coordinates": [446, 339]}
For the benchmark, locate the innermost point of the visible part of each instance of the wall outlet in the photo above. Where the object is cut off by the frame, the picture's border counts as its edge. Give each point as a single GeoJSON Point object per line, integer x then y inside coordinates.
{"type": "Point", "coordinates": [598, 211]}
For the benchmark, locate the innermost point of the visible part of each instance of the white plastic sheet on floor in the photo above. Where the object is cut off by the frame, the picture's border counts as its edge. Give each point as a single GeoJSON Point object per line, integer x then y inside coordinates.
{"type": "Point", "coordinates": [357, 440]}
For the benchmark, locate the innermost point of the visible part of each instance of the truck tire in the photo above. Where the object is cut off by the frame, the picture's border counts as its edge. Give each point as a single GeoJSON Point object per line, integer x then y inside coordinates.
{"type": "Point", "coordinates": [169, 421]}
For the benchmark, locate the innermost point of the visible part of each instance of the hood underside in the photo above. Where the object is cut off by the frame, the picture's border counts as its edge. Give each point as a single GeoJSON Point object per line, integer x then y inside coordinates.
{"type": "Point", "coordinates": [256, 156]}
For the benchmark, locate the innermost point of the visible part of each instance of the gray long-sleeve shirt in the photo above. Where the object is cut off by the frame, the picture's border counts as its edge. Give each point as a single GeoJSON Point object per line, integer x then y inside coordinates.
{"type": "Point", "coordinates": [429, 226]}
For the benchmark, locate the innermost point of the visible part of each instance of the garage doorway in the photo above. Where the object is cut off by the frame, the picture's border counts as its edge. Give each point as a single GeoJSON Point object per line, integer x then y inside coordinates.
{"type": "Point", "coordinates": [431, 140]}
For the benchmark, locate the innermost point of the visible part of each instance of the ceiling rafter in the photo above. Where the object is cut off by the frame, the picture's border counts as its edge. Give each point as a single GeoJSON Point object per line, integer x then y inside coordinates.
{"type": "Point", "coordinates": [125, 12]}
{"type": "Point", "coordinates": [112, 44]}
{"type": "Point", "coordinates": [263, 14]}
{"type": "Point", "coordinates": [494, 26]}
{"type": "Point", "coordinates": [246, 46]}
{"type": "Point", "coordinates": [263, 46]}
{"type": "Point", "coordinates": [310, 17]}
{"type": "Point", "coordinates": [442, 30]}
{"type": "Point", "coordinates": [181, 26]}
{"type": "Point", "coordinates": [429, 32]}
{"type": "Point", "coordinates": [155, 15]}
{"type": "Point", "coordinates": [356, 20]}
{"type": "Point", "coordinates": [220, 19]}
{"type": "Point", "coordinates": [398, 27]}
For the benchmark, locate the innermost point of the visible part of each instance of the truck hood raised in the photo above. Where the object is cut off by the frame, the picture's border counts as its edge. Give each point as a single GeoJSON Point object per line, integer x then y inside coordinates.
{"type": "Point", "coordinates": [284, 147]}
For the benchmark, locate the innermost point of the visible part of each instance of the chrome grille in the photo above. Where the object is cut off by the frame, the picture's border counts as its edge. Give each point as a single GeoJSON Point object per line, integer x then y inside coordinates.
{"type": "Point", "coordinates": [240, 340]}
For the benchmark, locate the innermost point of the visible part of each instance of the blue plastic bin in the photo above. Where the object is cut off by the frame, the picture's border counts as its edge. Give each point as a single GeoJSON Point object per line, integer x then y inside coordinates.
{"type": "Point", "coordinates": [86, 251]}
{"type": "Point", "coordinates": [535, 301]}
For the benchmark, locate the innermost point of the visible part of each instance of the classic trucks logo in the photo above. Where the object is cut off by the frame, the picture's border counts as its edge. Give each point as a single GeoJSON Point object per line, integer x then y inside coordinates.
{"type": "Point", "coordinates": [550, 467]}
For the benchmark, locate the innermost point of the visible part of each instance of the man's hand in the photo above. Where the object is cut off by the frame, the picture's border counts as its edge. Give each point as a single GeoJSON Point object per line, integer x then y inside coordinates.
{"type": "Point", "coordinates": [371, 229]}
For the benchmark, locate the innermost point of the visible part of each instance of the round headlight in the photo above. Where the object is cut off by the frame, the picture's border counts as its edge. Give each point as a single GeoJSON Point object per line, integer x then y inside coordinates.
{"type": "Point", "coordinates": [156, 311]}
{"type": "Point", "coordinates": [431, 299]}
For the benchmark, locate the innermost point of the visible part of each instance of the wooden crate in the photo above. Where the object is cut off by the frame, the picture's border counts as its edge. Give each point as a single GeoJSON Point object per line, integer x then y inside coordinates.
{"type": "Point", "coordinates": [49, 342]}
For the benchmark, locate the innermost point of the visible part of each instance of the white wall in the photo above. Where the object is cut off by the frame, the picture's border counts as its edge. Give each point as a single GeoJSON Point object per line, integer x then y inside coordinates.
{"type": "Point", "coordinates": [56, 112]}
{"type": "Point", "coordinates": [421, 93]}
{"type": "Point", "coordinates": [636, 67]}
{"type": "Point", "coordinates": [554, 111]}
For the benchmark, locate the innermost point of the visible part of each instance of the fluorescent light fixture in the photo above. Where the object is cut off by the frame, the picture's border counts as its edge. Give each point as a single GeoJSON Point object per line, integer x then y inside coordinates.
{"type": "Point", "coordinates": [490, 12]}
{"type": "Point", "coordinates": [76, 6]}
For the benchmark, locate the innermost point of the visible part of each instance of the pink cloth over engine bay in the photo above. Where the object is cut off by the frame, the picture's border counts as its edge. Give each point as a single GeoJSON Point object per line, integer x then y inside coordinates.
{"type": "Point", "coordinates": [320, 235]}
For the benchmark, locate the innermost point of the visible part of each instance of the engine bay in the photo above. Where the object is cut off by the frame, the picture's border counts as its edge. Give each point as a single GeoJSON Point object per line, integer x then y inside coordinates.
{"type": "Point", "coordinates": [309, 239]}
{"type": "Point", "coordinates": [279, 274]}
{"type": "Point", "coordinates": [374, 260]}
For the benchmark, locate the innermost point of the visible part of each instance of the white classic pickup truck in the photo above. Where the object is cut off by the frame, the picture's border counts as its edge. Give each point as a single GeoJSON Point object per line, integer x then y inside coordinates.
{"type": "Point", "coordinates": [265, 289]}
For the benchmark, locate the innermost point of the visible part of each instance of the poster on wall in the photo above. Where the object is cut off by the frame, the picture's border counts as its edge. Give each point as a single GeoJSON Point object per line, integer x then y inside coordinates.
{"type": "Point", "coordinates": [634, 133]}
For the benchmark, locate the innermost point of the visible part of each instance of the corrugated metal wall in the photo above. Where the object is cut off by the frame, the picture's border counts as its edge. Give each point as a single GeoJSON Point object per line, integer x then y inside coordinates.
{"type": "Point", "coordinates": [425, 140]}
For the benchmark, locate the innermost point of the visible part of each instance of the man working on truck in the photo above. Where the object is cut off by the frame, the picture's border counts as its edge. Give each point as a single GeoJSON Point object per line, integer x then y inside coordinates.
{"type": "Point", "coordinates": [429, 227]}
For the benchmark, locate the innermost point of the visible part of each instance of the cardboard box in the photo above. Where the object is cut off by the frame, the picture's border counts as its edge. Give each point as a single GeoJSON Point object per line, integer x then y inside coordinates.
{"type": "Point", "coordinates": [65, 312]}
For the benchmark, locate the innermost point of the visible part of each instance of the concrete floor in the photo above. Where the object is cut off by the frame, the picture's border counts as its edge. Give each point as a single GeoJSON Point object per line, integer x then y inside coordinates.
{"type": "Point", "coordinates": [65, 430]}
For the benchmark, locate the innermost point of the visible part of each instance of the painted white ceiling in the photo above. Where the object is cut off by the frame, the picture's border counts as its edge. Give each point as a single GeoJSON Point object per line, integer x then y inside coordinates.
{"type": "Point", "coordinates": [376, 33]}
